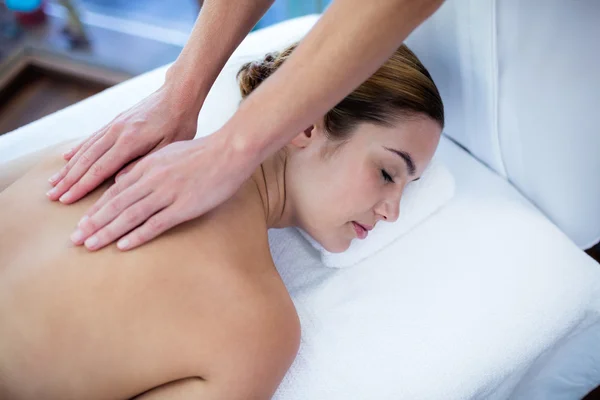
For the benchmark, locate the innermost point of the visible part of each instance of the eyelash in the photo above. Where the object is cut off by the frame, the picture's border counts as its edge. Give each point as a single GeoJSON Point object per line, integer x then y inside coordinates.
{"type": "Point", "coordinates": [386, 176]}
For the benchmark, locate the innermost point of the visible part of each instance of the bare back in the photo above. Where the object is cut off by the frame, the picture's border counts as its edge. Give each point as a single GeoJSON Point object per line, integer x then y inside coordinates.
{"type": "Point", "coordinates": [111, 325]}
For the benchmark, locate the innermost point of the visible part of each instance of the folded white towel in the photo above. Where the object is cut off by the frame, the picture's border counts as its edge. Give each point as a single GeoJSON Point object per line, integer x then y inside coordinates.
{"type": "Point", "coordinates": [420, 199]}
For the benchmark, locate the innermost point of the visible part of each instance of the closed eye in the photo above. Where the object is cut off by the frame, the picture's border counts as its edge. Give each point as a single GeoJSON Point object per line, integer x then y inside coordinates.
{"type": "Point", "coordinates": [386, 176]}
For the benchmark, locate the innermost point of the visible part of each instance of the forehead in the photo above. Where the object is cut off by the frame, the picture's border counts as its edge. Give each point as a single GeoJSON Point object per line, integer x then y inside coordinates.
{"type": "Point", "coordinates": [418, 136]}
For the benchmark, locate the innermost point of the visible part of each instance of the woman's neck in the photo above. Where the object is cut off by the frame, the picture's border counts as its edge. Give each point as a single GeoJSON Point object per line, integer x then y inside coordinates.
{"type": "Point", "coordinates": [270, 178]}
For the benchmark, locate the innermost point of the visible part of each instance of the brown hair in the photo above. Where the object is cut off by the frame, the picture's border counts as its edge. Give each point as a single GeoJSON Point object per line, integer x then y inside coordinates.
{"type": "Point", "coordinates": [401, 87]}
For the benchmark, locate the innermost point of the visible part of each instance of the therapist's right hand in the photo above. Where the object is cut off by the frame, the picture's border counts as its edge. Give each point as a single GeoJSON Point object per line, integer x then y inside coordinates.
{"type": "Point", "coordinates": [156, 121]}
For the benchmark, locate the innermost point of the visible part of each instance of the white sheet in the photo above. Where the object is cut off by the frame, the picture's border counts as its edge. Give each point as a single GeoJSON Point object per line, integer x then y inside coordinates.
{"type": "Point", "coordinates": [485, 300]}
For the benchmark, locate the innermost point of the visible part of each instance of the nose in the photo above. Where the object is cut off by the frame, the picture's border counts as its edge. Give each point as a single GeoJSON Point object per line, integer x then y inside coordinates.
{"type": "Point", "coordinates": [389, 208]}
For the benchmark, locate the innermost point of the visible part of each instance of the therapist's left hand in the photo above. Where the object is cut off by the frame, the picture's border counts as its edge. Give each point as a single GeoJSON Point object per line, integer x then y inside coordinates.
{"type": "Point", "coordinates": [175, 184]}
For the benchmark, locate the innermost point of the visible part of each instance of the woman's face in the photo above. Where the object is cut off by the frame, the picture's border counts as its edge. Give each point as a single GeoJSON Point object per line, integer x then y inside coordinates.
{"type": "Point", "coordinates": [339, 194]}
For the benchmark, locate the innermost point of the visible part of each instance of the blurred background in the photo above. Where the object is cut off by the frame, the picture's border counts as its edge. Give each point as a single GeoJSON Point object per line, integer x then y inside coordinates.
{"type": "Point", "coordinates": [54, 53]}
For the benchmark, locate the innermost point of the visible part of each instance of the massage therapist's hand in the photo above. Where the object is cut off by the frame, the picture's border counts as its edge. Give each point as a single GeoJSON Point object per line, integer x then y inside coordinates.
{"type": "Point", "coordinates": [153, 123]}
{"type": "Point", "coordinates": [175, 184]}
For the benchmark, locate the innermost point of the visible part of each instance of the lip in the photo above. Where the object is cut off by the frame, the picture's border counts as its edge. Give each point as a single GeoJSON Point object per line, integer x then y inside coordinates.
{"type": "Point", "coordinates": [361, 231]}
{"type": "Point", "coordinates": [367, 227]}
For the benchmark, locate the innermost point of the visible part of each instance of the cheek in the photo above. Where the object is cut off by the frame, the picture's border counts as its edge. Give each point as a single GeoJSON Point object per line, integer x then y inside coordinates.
{"type": "Point", "coordinates": [362, 186]}
{"type": "Point", "coordinates": [351, 192]}
{"type": "Point", "coordinates": [344, 184]}
{"type": "Point", "coordinates": [330, 192]}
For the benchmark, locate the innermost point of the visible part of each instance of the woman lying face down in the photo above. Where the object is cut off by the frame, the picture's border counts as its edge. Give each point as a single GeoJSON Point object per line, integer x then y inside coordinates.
{"type": "Point", "coordinates": [201, 312]}
{"type": "Point", "coordinates": [348, 170]}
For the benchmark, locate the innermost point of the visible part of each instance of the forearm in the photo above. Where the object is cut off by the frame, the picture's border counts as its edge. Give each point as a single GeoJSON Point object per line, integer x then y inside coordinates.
{"type": "Point", "coordinates": [349, 43]}
{"type": "Point", "coordinates": [219, 29]}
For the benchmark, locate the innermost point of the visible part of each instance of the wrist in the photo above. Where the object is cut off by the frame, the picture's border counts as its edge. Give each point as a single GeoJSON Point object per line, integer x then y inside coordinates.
{"type": "Point", "coordinates": [237, 145]}
{"type": "Point", "coordinates": [183, 118]}
{"type": "Point", "coordinates": [186, 88]}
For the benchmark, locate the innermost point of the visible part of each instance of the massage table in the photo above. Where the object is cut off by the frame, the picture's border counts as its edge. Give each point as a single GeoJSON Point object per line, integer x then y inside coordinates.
{"type": "Point", "coordinates": [491, 297]}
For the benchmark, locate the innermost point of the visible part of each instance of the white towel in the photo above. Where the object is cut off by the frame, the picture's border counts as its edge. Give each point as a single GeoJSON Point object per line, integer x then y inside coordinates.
{"type": "Point", "coordinates": [421, 199]}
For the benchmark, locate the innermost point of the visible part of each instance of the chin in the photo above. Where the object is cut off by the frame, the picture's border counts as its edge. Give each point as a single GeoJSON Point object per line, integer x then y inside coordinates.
{"type": "Point", "coordinates": [333, 242]}
{"type": "Point", "coordinates": [336, 246]}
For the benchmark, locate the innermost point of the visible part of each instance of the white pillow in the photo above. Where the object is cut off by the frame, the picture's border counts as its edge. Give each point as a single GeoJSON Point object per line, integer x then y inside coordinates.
{"type": "Point", "coordinates": [420, 200]}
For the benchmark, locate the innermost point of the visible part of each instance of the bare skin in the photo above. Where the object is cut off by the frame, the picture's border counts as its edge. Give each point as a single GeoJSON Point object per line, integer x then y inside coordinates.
{"type": "Point", "coordinates": [199, 313]}
{"type": "Point", "coordinates": [303, 89]}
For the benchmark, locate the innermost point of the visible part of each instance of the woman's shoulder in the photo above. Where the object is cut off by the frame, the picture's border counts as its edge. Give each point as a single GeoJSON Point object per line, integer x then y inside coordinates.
{"type": "Point", "coordinates": [243, 212]}
{"type": "Point", "coordinates": [236, 230]}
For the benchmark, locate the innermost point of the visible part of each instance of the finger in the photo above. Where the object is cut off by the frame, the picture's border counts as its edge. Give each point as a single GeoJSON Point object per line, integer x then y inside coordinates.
{"type": "Point", "coordinates": [126, 170]}
{"type": "Point", "coordinates": [80, 167]}
{"type": "Point", "coordinates": [154, 226]}
{"type": "Point", "coordinates": [103, 168]}
{"type": "Point", "coordinates": [69, 154]}
{"type": "Point", "coordinates": [111, 210]}
{"type": "Point", "coordinates": [114, 190]}
{"type": "Point", "coordinates": [59, 176]}
{"type": "Point", "coordinates": [80, 149]}
{"type": "Point", "coordinates": [126, 221]}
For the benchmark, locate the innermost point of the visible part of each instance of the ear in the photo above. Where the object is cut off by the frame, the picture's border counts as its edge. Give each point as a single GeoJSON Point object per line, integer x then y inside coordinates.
{"type": "Point", "coordinates": [304, 138]}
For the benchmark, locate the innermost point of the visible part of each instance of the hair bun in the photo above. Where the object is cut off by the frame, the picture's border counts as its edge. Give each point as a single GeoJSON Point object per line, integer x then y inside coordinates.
{"type": "Point", "coordinates": [253, 73]}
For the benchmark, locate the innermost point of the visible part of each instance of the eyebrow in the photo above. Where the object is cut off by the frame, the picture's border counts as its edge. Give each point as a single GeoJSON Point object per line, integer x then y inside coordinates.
{"type": "Point", "coordinates": [410, 164]}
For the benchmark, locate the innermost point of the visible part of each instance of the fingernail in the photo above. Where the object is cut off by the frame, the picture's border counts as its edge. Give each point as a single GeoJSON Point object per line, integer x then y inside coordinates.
{"type": "Point", "coordinates": [54, 177]}
{"type": "Point", "coordinates": [85, 218]}
{"type": "Point", "coordinates": [65, 197]}
{"type": "Point", "coordinates": [123, 244]}
{"type": "Point", "coordinates": [52, 192]}
{"type": "Point", "coordinates": [91, 242]}
{"type": "Point", "coordinates": [77, 236]}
